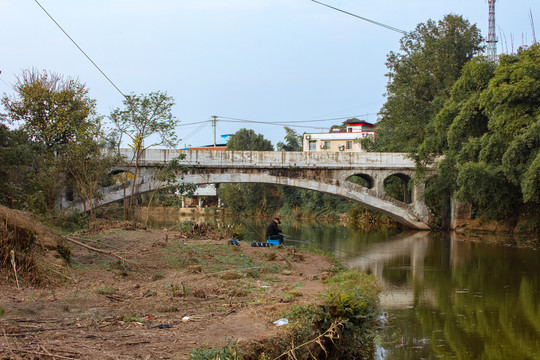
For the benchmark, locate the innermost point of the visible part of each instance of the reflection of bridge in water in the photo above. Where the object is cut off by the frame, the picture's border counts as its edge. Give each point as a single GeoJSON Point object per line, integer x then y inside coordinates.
{"type": "Point", "coordinates": [326, 172]}
{"type": "Point", "coordinates": [412, 249]}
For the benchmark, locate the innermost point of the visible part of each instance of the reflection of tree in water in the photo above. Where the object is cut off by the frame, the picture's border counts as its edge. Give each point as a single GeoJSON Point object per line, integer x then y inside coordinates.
{"type": "Point", "coordinates": [480, 314]}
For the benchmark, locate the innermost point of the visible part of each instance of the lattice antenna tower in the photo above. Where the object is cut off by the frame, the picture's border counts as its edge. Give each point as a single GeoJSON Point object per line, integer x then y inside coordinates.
{"type": "Point", "coordinates": [492, 37]}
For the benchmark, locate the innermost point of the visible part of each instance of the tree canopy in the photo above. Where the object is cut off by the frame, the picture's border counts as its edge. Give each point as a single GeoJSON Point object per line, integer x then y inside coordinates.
{"type": "Point", "coordinates": [50, 110]}
{"type": "Point", "coordinates": [293, 141]}
{"type": "Point", "coordinates": [489, 134]}
{"type": "Point", "coordinates": [249, 198]}
{"type": "Point", "coordinates": [420, 77]}
{"type": "Point", "coordinates": [245, 139]}
{"type": "Point", "coordinates": [56, 142]}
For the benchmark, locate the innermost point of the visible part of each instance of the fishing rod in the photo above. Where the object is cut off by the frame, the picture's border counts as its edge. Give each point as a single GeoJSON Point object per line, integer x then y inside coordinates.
{"type": "Point", "coordinates": [326, 247]}
{"type": "Point", "coordinates": [288, 238]}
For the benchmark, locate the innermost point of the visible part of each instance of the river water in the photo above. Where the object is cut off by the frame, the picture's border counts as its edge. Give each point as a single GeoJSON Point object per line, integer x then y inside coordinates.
{"type": "Point", "coordinates": [444, 298]}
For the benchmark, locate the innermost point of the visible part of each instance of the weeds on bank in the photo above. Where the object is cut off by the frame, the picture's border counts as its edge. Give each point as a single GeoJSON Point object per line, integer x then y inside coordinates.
{"type": "Point", "coordinates": [230, 351]}
{"type": "Point", "coordinates": [345, 325]}
{"type": "Point", "coordinates": [229, 262]}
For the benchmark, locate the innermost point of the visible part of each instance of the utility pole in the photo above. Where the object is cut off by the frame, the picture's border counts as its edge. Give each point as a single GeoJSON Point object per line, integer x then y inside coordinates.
{"type": "Point", "coordinates": [492, 38]}
{"type": "Point", "coordinates": [214, 125]}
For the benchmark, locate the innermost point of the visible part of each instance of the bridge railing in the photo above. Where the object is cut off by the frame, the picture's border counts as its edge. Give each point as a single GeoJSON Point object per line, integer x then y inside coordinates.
{"type": "Point", "coordinates": [301, 159]}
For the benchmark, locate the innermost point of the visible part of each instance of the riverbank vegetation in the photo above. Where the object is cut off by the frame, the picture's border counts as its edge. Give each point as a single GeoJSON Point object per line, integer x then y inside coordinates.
{"type": "Point", "coordinates": [149, 291]}
{"type": "Point", "coordinates": [479, 118]}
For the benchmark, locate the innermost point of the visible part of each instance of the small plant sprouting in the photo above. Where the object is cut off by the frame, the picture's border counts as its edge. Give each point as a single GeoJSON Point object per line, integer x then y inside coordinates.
{"type": "Point", "coordinates": [178, 290]}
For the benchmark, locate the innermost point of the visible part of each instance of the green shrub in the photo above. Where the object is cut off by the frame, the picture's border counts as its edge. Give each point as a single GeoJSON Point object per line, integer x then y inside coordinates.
{"type": "Point", "coordinates": [352, 302]}
{"type": "Point", "coordinates": [229, 351]}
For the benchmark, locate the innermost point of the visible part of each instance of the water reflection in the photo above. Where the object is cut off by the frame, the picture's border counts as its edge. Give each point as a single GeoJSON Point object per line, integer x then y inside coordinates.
{"type": "Point", "coordinates": [449, 298]}
{"type": "Point", "coordinates": [457, 299]}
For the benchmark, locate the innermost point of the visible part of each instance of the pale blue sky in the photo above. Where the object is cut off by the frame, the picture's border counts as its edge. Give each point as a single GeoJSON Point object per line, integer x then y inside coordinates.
{"type": "Point", "coordinates": [261, 60]}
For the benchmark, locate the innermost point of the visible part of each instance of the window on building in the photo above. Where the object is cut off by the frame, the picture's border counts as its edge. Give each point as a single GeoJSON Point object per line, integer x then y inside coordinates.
{"type": "Point", "coordinates": [327, 145]}
{"type": "Point", "coordinates": [312, 145]}
{"type": "Point", "coordinates": [348, 145]}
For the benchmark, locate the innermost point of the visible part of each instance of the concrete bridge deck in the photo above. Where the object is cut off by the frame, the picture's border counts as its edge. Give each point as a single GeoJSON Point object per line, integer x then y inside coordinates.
{"type": "Point", "coordinates": [320, 171]}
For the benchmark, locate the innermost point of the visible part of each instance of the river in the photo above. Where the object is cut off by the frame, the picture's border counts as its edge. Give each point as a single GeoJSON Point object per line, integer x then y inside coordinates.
{"type": "Point", "coordinates": [443, 298]}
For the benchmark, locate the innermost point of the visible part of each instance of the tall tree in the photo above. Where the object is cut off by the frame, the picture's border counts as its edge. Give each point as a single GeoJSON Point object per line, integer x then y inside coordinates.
{"type": "Point", "coordinates": [500, 171]}
{"type": "Point", "coordinates": [148, 121]}
{"type": "Point", "coordinates": [52, 114]}
{"type": "Point", "coordinates": [249, 198]}
{"type": "Point", "coordinates": [293, 141]}
{"type": "Point", "coordinates": [489, 134]}
{"type": "Point", "coordinates": [245, 139]}
{"type": "Point", "coordinates": [51, 110]}
{"type": "Point", "coordinates": [420, 77]}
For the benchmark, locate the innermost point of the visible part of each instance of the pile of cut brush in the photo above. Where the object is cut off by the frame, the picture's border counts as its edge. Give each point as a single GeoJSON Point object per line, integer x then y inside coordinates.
{"type": "Point", "coordinates": [30, 252]}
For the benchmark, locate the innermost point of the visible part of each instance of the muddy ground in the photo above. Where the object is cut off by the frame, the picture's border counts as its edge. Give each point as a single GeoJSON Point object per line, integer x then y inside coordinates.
{"type": "Point", "coordinates": [201, 292]}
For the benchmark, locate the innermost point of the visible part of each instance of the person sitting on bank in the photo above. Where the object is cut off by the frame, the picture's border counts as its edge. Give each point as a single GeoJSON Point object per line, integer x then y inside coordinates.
{"type": "Point", "coordinates": [273, 231]}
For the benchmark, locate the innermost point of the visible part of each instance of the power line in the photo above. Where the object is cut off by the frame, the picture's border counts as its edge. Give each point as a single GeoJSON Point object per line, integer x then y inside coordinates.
{"type": "Point", "coordinates": [82, 51]}
{"type": "Point", "coordinates": [303, 121]}
{"type": "Point", "coordinates": [195, 123]}
{"type": "Point", "coordinates": [363, 18]}
{"type": "Point", "coordinates": [275, 124]}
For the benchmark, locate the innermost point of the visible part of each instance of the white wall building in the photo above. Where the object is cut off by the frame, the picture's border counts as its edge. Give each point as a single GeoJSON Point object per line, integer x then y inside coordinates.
{"type": "Point", "coordinates": [339, 140]}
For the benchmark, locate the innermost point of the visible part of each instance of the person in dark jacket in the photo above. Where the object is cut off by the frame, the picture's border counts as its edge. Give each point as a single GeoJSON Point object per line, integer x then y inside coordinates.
{"type": "Point", "coordinates": [273, 231]}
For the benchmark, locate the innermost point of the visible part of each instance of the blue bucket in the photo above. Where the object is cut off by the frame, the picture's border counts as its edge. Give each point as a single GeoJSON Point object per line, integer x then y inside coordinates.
{"type": "Point", "coordinates": [273, 242]}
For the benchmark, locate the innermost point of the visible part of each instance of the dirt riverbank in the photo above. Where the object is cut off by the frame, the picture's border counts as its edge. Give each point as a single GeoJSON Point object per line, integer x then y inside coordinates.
{"type": "Point", "coordinates": [199, 291]}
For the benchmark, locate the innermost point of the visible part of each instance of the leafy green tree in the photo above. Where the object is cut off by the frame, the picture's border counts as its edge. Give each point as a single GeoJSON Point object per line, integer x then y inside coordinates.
{"type": "Point", "coordinates": [50, 110]}
{"type": "Point", "coordinates": [420, 78]}
{"type": "Point", "coordinates": [245, 139]}
{"type": "Point", "coordinates": [169, 181]}
{"type": "Point", "coordinates": [17, 159]}
{"type": "Point", "coordinates": [489, 134]}
{"type": "Point", "coordinates": [293, 141]}
{"type": "Point", "coordinates": [52, 115]}
{"type": "Point", "coordinates": [249, 198]}
{"type": "Point", "coordinates": [148, 121]}
{"type": "Point", "coordinates": [87, 162]}
{"type": "Point", "coordinates": [502, 173]}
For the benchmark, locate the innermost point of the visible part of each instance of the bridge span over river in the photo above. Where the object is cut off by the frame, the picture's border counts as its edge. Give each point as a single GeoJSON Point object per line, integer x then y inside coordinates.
{"type": "Point", "coordinates": [320, 171]}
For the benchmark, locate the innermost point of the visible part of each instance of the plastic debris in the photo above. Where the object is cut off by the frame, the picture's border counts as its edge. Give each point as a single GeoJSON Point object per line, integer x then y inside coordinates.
{"type": "Point", "coordinates": [281, 322]}
{"type": "Point", "coordinates": [185, 318]}
{"type": "Point", "coordinates": [160, 326]}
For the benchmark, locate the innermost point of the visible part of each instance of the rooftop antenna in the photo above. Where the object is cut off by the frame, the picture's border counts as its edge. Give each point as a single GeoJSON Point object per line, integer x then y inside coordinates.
{"type": "Point", "coordinates": [492, 37]}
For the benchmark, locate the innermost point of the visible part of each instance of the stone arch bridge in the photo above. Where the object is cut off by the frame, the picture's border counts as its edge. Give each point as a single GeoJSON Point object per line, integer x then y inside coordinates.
{"type": "Point", "coordinates": [320, 171]}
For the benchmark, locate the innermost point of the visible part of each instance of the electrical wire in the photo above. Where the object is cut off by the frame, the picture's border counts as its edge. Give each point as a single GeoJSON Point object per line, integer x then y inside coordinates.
{"type": "Point", "coordinates": [276, 124]}
{"type": "Point", "coordinates": [302, 121]}
{"type": "Point", "coordinates": [195, 123]}
{"type": "Point", "coordinates": [194, 132]}
{"type": "Point", "coordinates": [82, 51]}
{"type": "Point", "coordinates": [365, 19]}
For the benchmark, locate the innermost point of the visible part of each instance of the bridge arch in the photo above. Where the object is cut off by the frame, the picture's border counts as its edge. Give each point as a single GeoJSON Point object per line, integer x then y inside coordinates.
{"type": "Point", "coordinates": [322, 171]}
{"type": "Point", "coordinates": [362, 179]}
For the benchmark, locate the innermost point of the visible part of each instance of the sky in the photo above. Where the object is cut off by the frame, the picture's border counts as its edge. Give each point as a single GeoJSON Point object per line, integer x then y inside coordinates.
{"type": "Point", "coordinates": [271, 61]}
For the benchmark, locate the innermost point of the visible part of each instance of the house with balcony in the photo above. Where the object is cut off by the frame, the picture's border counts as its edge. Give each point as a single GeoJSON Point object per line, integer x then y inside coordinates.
{"type": "Point", "coordinates": [339, 140]}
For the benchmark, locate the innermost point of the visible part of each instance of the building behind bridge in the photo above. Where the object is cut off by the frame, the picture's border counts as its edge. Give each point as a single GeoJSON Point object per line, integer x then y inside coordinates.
{"type": "Point", "coordinates": [339, 140]}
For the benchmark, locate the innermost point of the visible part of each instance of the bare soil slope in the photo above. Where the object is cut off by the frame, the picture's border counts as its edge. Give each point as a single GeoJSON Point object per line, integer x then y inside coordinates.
{"type": "Point", "coordinates": [172, 296]}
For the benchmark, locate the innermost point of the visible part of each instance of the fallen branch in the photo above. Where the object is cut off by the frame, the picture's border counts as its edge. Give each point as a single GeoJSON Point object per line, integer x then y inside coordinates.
{"type": "Point", "coordinates": [57, 272]}
{"type": "Point", "coordinates": [7, 341]}
{"type": "Point", "coordinates": [14, 267]}
{"type": "Point", "coordinates": [109, 253]}
{"type": "Point", "coordinates": [95, 242]}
